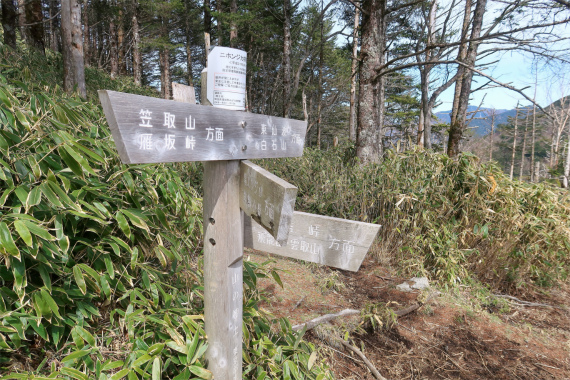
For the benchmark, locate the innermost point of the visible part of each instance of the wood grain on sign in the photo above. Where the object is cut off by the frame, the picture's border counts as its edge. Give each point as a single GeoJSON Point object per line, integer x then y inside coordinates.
{"type": "Point", "coordinates": [183, 93]}
{"type": "Point", "coordinates": [223, 271]}
{"type": "Point", "coordinates": [335, 242]}
{"type": "Point", "coordinates": [151, 130]}
{"type": "Point", "coordinates": [267, 199]}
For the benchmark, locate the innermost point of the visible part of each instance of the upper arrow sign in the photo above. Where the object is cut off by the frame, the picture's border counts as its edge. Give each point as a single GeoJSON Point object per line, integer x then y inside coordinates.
{"type": "Point", "coordinates": [151, 130]}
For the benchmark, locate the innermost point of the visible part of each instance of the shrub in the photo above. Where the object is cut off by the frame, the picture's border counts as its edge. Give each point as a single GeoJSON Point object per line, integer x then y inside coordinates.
{"type": "Point", "coordinates": [452, 219]}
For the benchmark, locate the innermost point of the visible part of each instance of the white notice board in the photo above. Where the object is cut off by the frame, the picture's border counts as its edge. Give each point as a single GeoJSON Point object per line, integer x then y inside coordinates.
{"type": "Point", "coordinates": [226, 78]}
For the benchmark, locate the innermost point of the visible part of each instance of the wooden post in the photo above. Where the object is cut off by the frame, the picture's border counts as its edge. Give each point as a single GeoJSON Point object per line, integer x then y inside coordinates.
{"type": "Point", "coordinates": [223, 269]}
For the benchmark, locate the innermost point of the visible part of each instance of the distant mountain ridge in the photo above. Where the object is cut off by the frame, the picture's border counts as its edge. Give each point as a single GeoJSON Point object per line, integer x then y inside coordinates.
{"type": "Point", "coordinates": [481, 122]}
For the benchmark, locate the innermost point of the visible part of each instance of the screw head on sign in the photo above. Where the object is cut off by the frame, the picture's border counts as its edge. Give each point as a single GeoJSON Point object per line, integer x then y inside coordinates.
{"type": "Point", "coordinates": [244, 148]}
{"type": "Point", "coordinates": [243, 124]}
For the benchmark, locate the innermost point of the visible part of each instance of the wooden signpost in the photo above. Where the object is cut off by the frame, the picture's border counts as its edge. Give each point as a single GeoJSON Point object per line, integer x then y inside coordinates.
{"type": "Point", "coordinates": [243, 203]}
{"type": "Point", "coordinates": [338, 243]}
{"type": "Point", "coordinates": [150, 130]}
{"type": "Point", "coordinates": [267, 199]}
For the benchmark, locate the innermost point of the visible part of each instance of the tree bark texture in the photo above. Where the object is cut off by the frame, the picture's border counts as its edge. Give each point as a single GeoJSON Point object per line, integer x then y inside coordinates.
{"type": "Point", "coordinates": [425, 133]}
{"type": "Point", "coordinates": [24, 30]}
{"type": "Point", "coordinates": [86, 34]}
{"type": "Point", "coordinates": [514, 142]}
{"type": "Point", "coordinates": [233, 24]}
{"type": "Point", "coordinates": [533, 142]}
{"type": "Point", "coordinates": [567, 164]}
{"type": "Point", "coordinates": [165, 77]}
{"type": "Point", "coordinates": [286, 58]}
{"type": "Point", "coordinates": [114, 51]}
{"type": "Point", "coordinates": [219, 22]}
{"type": "Point", "coordinates": [53, 26]}
{"type": "Point", "coordinates": [137, 57]}
{"type": "Point", "coordinates": [371, 92]}
{"type": "Point", "coordinates": [461, 54]}
{"type": "Point", "coordinates": [189, 44]}
{"type": "Point", "coordinates": [524, 147]}
{"type": "Point", "coordinates": [353, 76]}
{"type": "Point", "coordinates": [457, 127]}
{"type": "Point", "coordinates": [35, 25]}
{"type": "Point", "coordinates": [121, 44]}
{"type": "Point", "coordinates": [9, 24]}
{"type": "Point", "coordinates": [74, 69]}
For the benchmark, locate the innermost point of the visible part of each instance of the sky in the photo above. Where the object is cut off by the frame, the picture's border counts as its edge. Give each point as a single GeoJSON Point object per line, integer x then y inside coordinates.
{"type": "Point", "coordinates": [519, 71]}
{"type": "Point", "coordinates": [515, 69]}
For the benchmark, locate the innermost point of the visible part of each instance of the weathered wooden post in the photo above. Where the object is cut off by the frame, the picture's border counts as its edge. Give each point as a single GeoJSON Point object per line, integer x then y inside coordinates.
{"type": "Point", "coordinates": [223, 255]}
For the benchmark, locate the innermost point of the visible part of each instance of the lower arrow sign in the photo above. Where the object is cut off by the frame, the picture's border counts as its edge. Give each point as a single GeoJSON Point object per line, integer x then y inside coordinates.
{"type": "Point", "coordinates": [335, 242]}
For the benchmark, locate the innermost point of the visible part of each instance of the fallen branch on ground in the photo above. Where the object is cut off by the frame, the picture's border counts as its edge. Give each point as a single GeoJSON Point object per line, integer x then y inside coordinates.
{"type": "Point", "coordinates": [370, 366]}
{"type": "Point", "coordinates": [298, 303]}
{"type": "Point", "coordinates": [409, 309]}
{"type": "Point", "coordinates": [325, 318]}
{"type": "Point", "coordinates": [520, 302]}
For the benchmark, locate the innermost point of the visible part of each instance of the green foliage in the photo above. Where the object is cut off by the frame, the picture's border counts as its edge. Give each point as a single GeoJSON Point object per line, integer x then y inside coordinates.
{"type": "Point", "coordinates": [451, 219]}
{"type": "Point", "coordinates": [99, 269]}
{"type": "Point", "coordinates": [377, 317]}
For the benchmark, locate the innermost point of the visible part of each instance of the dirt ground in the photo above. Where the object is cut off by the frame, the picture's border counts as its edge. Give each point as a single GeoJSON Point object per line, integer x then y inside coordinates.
{"type": "Point", "coordinates": [458, 334]}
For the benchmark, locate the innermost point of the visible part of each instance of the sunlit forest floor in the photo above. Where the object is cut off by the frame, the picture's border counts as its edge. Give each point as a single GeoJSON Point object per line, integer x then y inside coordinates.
{"type": "Point", "coordinates": [462, 333]}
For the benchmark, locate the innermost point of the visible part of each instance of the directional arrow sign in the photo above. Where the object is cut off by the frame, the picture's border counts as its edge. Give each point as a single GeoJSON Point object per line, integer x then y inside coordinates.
{"type": "Point", "coordinates": [329, 241]}
{"type": "Point", "coordinates": [151, 130]}
{"type": "Point", "coordinates": [267, 199]}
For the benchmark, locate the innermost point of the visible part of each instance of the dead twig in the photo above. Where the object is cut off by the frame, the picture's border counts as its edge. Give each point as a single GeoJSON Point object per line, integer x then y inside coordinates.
{"type": "Point", "coordinates": [416, 306]}
{"type": "Point", "coordinates": [298, 303]}
{"type": "Point", "coordinates": [325, 318]}
{"type": "Point", "coordinates": [520, 302]}
{"type": "Point", "coordinates": [370, 366]}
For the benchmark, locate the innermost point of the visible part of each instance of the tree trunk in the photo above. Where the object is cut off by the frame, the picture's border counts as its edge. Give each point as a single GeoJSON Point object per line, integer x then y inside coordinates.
{"type": "Point", "coordinates": [461, 55]}
{"type": "Point", "coordinates": [74, 69]}
{"type": "Point", "coordinates": [207, 30]}
{"type": "Point", "coordinates": [220, 29]}
{"type": "Point", "coordinates": [286, 58]}
{"type": "Point", "coordinates": [493, 115]}
{"type": "Point", "coordinates": [121, 43]}
{"type": "Point", "coordinates": [533, 143]}
{"type": "Point", "coordinates": [320, 86]}
{"type": "Point", "coordinates": [420, 139]}
{"type": "Point", "coordinates": [113, 53]}
{"type": "Point", "coordinates": [86, 34]}
{"type": "Point", "coordinates": [137, 58]}
{"type": "Point", "coordinates": [34, 20]}
{"type": "Point", "coordinates": [425, 78]}
{"type": "Point", "coordinates": [233, 24]}
{"type": "Point", "coordinates": [53, 26]}
{"type": "Point", "coordinates": [9, 25]}
{"type": "Point", "coordinates": [524, 146]}
{"type": "Point", "coordinates": [165, 78]}
{"type": "Point", "coordinates": [188, 6]}
{"type": "Point", "coordinates": [514, 142]}
{"type": "Point", "coordinates": [567, 165]}
{"type": "Point", "coordinates": [24, 30]}
{"type": "Point", "coordinates": [354, 72]}
{"type": "Point", "coordinates": [371, 91]}
{"type": "Point", "coordinates": [457, 128]}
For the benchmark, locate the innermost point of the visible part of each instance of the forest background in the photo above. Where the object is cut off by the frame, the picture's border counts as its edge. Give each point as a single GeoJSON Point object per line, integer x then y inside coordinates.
{"type": "Point", "coordinates": [371, 71]}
